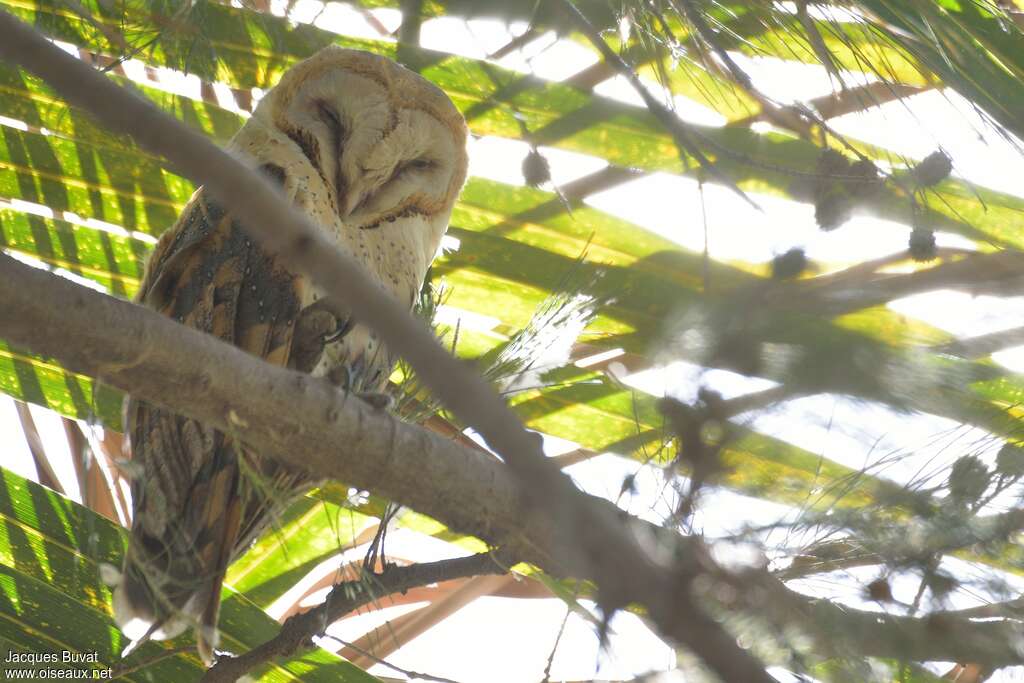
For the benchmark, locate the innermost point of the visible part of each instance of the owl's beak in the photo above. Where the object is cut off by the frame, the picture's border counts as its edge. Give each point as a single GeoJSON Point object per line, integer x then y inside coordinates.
{"type": "Point", "coordinates": [354, 196]}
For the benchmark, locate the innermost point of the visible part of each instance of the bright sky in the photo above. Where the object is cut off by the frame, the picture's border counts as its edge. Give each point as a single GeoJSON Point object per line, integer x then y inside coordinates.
{"type": "Point", "coordinates": [503, 640]}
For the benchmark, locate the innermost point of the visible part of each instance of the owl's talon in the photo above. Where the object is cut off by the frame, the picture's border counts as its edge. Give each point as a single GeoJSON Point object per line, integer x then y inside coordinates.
{"type": "Point", "coordinates": [316, 327]}
{"type": "Point", "coordinates": [312, 327]}
{"type": "Point", "coordinates": [315, 323]}
{"type": "Point", "coordinates": [341, 329]}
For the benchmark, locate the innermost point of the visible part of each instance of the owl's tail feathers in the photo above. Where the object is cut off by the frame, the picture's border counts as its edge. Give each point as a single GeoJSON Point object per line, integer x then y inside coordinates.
{"type": "Point", "coordinates": [136, 615]}
{"type": "Point", "coordinates": [143, 615]}
{"type": "Point", "coordinates": [151, 603]}
{"type": "Point", "coordinates": [207, 635]}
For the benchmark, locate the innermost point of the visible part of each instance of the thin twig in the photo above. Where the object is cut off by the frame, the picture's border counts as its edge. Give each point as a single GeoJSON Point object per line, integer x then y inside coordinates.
{"type": "Point", "coordinates": [298, 631]}
{"type": "Point", "coordinates": [554, 647]}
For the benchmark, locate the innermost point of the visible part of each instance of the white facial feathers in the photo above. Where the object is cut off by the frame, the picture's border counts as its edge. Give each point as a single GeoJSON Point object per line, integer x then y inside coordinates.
{"type": "Point", "coordinates": [372, 151]}
{"type": "Point", "coordinates": [368, 125]}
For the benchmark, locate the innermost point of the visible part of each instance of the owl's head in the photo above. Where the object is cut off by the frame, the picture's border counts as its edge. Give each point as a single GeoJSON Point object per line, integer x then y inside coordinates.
{"type": "Point", "coordinates": [388, 146]}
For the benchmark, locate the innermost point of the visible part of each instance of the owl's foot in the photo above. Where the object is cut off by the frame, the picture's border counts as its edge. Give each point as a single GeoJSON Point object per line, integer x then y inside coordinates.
{"type": "Point", "coordinates": [315, 328]}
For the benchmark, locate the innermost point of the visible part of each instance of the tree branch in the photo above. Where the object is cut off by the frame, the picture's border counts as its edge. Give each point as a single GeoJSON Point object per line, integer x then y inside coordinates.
{"type": "Point", "coordinates": [983, 345]}
{"type": "Point", "coordinates": [297, 418]}
{"type": "Point", "coordinates": [935, 637]}
{"type": "Point", "coordinates": [944, 537]}
{"type": "Point", "coordinates": [997, 273]}
{"type": "Point", "coordinates": [297, 632]}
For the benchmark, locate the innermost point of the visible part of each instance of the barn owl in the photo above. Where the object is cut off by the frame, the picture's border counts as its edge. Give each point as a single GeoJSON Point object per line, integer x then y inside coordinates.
{"type": "Point", "coordinates": [373, 154]}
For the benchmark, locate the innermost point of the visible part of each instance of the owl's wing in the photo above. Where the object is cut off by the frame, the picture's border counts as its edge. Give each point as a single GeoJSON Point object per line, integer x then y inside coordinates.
{"type": "Point", "coordinates": [191, 513]}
